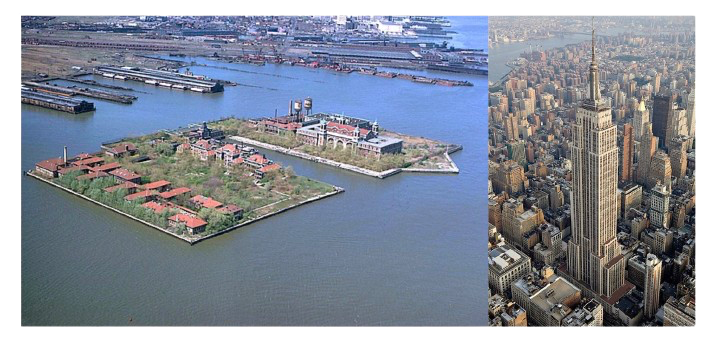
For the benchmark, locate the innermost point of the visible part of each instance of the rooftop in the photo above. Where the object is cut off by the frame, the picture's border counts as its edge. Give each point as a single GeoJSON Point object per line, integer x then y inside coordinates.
{"type": "Point", "coordinates": [155, 185]}
{"type": "Point", "coordinates": [504, 256]}
{"type": "Point", "coordinates": [175, 192]}
{"type": "Point", "coordinates": [124, 174]}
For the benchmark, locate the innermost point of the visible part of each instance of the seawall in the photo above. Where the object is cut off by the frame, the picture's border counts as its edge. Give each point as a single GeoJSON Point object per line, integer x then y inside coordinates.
{"type": "Point", "coordinates": [371, 173]}
{"type": "Point", "coordinates": [191, 241]}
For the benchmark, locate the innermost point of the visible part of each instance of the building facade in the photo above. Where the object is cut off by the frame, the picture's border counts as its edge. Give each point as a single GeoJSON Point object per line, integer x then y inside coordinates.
{"type": "Point", "coordinates": [594, 254]}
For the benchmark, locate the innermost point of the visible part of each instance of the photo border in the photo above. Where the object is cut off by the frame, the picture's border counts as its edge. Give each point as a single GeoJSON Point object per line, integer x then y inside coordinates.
{"type": "Point", "coordinates": [711, 128]}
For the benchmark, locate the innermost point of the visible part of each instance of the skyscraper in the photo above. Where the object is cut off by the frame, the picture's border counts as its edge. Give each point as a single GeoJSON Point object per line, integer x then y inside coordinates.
{"type": "Point", "coordinates": [691, 113]}
{"type": "Point", "coordinates": [647, 149]}
{"type": "Point", "coordinates": [662, 112]}
{"type": "Point", "coordinates": [641, 117]}
{"type": "Point", "coordinates": [594, 254]}
{"type": "Point", "coordinates": [657, 81]}
{"type": "Point", "coordinates": [660, 170]}
{"type": "Point", "coordinates": [653, 275]}
{"type": "Point", "coordinates": [678, 156]}
{"type": "Point", "coordinates": [659, 211]}
{"type": "Point", "coordinates": [627, 152]}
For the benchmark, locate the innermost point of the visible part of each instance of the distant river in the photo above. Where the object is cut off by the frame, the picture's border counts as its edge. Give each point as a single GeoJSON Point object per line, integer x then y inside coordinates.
{"type": "Point", "coordinates": [501, 54]}
{"type": "Point", "coordinates": [406, 250]}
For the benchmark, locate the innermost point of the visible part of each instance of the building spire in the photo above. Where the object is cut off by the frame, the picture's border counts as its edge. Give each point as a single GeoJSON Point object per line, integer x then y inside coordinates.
{"type": "Point", "coordinates": [594, 94]}
{"type": "Point", "coordinates": [592, 39]}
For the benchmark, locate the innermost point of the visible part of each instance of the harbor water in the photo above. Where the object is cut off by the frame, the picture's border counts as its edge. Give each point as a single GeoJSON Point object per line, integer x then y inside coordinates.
{"type": "Point", "coordinates": [406, 250]}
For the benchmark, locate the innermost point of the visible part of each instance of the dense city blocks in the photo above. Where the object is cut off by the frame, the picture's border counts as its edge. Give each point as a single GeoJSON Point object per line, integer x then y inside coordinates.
{"type": "Point", "coordinates": [592, 175]}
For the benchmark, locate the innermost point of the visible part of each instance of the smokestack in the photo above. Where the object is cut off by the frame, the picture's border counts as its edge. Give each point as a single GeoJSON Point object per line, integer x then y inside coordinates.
{"type": "Point", "coordinates": [291, 103]}
{"type": "Point", "coordinates": [65, 155]}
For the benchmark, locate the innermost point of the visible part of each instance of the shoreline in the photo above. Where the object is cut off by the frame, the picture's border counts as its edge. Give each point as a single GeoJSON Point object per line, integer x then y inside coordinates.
{"type": "Point", "coordinates": [190, 241]}
{"type": "Point", "coordinates": [352, 168]}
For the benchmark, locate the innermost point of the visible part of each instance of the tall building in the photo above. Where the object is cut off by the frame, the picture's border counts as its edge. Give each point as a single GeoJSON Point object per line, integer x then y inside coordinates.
{"type": "Point", "coordinates": [507, 177]}
{"type": "Point", "coordinates": [678, 156]}
{"type": "Point", "coordinates": [647, 148]}
{"type": "Point", "coordinates": [691, 113]}
{"type": "Point", "coordinates": [517, 151]}
{"type": "Point", "coordinates": [641, 117]}
{"type": "Point", "coordinates": [653, 277]}
{"type": "Point", "coordinates": [662, 113]}
{"type": "Point", "coordinates": [659, 210]}
{"type": "Point", "coordinates": [516, 221]}
{"type": "Point", "coordinates": [676, 127]}
{"type": "Point", "coordinates": [660, 170]}
{"type": "Point", "coordinates": [631, 197]}
{"type": "Point", "coordinates": [657, 81]}
{"type": "Point", "coordinates": [594, 254]}
{"type": "Point", "coordinates": [627, 152]}
{"type": "Point", "coordinates": [510, 127]}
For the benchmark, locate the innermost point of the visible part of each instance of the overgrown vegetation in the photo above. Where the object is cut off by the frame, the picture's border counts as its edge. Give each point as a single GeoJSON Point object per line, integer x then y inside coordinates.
{"type": "Point", "coordinates": [93, 189]}
{"type": "Point", "coordinates": [234, 185]}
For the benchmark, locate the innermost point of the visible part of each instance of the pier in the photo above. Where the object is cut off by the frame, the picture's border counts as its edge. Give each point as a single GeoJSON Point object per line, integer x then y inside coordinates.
{"type": "Point", "coordinates": [56, 102]}
{"type": "Point", "coordinates": [76, 91]}
{"type": "Point", "coordinates": [167, 79]}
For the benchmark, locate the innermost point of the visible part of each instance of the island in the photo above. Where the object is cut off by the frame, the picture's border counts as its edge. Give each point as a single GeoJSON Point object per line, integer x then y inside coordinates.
{"type": "Point", "coordinates": [190, 183]}
{"type": "Point", "coordinates": [346, 142]}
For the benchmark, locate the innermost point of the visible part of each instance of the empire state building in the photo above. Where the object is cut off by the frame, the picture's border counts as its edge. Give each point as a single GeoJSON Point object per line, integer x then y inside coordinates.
{"type": "Point", "coordinates": [594, 255]}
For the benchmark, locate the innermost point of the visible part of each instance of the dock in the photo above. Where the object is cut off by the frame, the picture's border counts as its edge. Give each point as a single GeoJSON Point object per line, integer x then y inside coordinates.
{"type": "Point", "coordinates": [80, 91]}
{"type": "Point", "coordinates": [55, 102]}
{"type": "Point", "coordinates": [173, 80]}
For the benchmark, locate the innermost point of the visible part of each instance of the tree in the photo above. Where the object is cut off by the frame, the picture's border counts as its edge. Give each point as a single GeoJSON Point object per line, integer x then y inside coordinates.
{"type": "Point", "coordinates": [164, 149]}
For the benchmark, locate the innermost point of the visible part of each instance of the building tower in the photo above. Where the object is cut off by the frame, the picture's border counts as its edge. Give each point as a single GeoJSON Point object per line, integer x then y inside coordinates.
{"type": "Point", "coordinates": [653, 274]}
{"type": "Point", "coordinates": [659, 210]}
{"type": "Point", "coordinates": [657, 81]}
{"type": "Point", "coordinates": [594, 255]}
{"type": "Point", "coordinates": [627, 152]}
{"type": "Point", "coordinates": [691, 113]}
{"type": "Point", "coordinates": [678, 156]}
{"type": "Point", "coordinates": [641, 116]}
{"type": "Point", "coordinates": [660, 170]}
{"type": "Point", "coordinates": [647, 149]}
{"type": "Point", "coordinates": [662, 113]}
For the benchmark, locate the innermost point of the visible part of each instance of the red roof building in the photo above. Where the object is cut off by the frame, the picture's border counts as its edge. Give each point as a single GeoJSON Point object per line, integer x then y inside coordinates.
{"type": "Point", "coordinates": [107, 167]}
{"type": "Point", "coordinates": [122, 149]}
{"type": "Point", "coordinates": [123, 174]}
{"type": "Point", "coordinates": [82, 156]}
{"type": "Point", "coordinates": [157, 185]}
{"type": "Point", "coordinates": [271, 167]}
{"type": "Point", "coordinates": [233, 210]}
{"type": "Point", "coordinates": [206, 202]}
{"type": "Point", "coordinates": [92, 161]}
{"type": "Point", "coordinates": [65, 170]}
{"type": "Point", "coordinates": [345, 129]}
{"type": "Point", "coordinates": [174, 192]}
{"type": "Point", "coordinates": [131, 187]}
{"type": "Point", "coordinates": [50, 167]}
{"type": "Point", "coordinates": [146, 195]}
{"type": "Point", "coordinates": [157, 207]}
{"type": "Point", "coordinates": [195, 225]}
